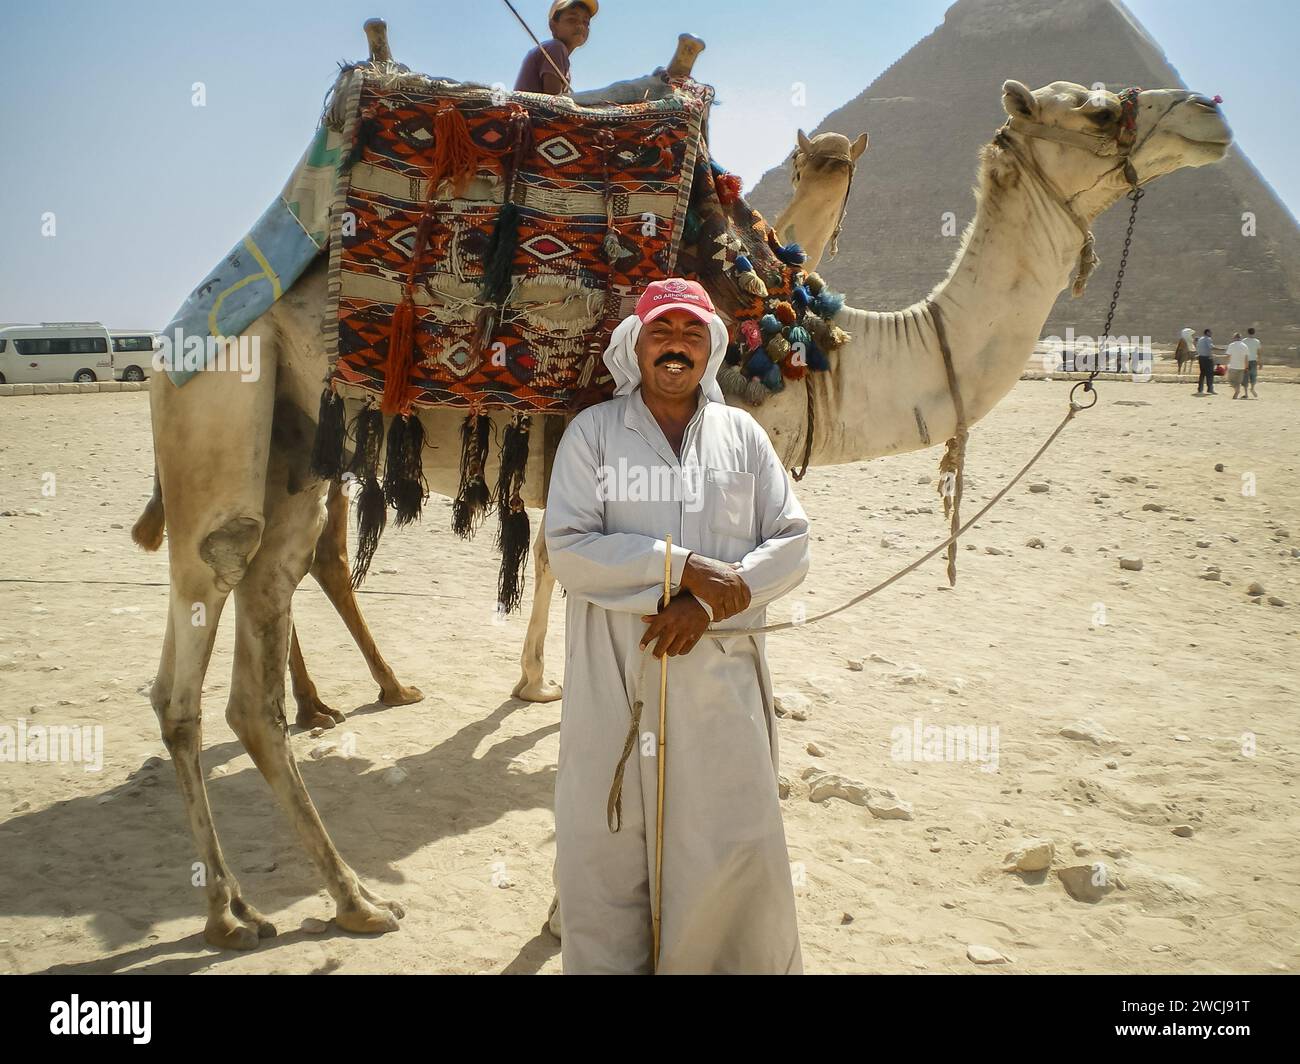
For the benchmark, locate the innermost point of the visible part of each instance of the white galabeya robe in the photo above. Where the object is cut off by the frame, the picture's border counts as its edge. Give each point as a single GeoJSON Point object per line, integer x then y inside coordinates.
{"type": "Point", "coordinates": [728, 902]}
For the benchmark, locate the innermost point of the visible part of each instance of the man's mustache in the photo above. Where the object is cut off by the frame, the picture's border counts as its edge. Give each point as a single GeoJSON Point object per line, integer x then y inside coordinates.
{"type": "Point", "coordinates": [671, 356]}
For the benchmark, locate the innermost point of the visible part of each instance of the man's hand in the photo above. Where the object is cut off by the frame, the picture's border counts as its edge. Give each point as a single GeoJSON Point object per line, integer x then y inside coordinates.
{"type": "Point", "coordinates": [716, 583]}
{"type": "Point", "coordinates": [677, 626]}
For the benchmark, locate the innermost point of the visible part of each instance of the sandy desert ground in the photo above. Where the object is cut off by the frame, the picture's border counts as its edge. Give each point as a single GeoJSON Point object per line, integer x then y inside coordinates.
{"type": "Point", "coordinates": [1180, 785]}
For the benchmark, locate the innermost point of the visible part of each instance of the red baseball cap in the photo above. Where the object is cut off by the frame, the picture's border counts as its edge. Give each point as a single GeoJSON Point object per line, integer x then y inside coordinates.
{"type": "Point", "coordinates": [676, 293]}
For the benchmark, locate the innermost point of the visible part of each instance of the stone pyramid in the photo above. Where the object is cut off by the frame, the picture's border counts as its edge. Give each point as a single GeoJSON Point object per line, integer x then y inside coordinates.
{"type": "Point", "coordinates": [930, 112]}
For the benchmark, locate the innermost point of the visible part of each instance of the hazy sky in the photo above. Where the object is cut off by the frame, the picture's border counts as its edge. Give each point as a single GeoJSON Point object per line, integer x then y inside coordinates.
{"type": "Point", "coordinates": [149, 191]}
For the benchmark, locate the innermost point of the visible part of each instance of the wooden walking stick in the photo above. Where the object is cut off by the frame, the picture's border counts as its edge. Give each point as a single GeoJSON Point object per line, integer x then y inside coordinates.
{"type": "Point", "coordinates": [663, 720]}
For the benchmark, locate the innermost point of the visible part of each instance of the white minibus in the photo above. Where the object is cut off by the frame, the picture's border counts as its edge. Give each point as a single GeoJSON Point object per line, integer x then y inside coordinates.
{"type": "Point", "coordinates": [55, 352]}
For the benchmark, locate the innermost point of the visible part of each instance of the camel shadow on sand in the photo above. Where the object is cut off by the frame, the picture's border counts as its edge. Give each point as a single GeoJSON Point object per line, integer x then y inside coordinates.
{"type": "Point", "coordinates": [53, 853]}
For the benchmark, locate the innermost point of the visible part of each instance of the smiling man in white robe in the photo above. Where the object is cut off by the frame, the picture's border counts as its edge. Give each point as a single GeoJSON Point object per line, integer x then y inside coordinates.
{"type": "Point", "coordinates": [666, 456]}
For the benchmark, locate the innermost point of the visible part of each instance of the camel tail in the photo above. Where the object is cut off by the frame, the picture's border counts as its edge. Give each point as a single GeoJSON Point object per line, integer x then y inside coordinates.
{"type": "Point", "coordinates": [148, 528]}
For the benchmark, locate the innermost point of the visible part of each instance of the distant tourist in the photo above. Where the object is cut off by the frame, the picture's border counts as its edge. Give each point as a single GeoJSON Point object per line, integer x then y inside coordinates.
{"type": "Point", "coordinates": [1252, 365]}
{"type": "Point", "coordinates": [1205, 360]}
{"type": "Point", "coordinates": [1238, 358]}
{"type": "Point", "coordinates": [1184, 352]}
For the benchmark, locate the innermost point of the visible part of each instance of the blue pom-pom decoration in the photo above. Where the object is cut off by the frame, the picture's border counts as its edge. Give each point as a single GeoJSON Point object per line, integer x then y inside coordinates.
{"type": "Point", "coordinates": [792, 255]}
{"type": "Point", "coordinates": [827, 304]}
{"type": "Point", "coordinates": [768, 325]}
{"type": "Point", "coordinates": [759, 365]}
{"type": "Point", "coordinates": [817, 360]}
{"type": "Point", "coordinates": [773, 379]}
{"type": "Point", "coordinates": [800, 297]}
{"type": "Point", "coordinates": [743, 265]}
{"type": "Point", "coordinates": [797, 334]}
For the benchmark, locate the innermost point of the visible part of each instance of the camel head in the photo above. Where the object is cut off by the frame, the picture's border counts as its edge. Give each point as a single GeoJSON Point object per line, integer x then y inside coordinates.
{"type": "Point", "coordinates": [827, 156]}
{"type": "Point", "coordinates": [1082, 139]}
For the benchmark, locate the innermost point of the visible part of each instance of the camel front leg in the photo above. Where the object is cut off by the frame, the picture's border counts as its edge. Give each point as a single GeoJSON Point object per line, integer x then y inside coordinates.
{"type": "Point", "coordinates": [533, 685]}
{"type": "Point", "coordinates": [330, 568]}
{"type": "Point", "coordinates": [256, 707]}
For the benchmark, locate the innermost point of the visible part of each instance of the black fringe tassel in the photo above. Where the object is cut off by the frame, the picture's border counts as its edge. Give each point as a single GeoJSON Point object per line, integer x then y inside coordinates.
{"type": "Point", "coordinates": [513, 532]}
{"type": "Point", "coordinates": [405, 488]}
{"type": "Point", "coordinates": [372, 508]}
{"type": "Point", "coordinates": [331, 431]}
{"type": "Point", "coordinates": [473, 498]}
{"type": "Point", "coordinates": [500, 255]}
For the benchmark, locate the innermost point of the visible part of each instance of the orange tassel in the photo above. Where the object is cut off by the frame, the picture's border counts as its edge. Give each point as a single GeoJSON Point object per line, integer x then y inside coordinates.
{"type": "Point", "coordinates": [455, 155]}
{"type": "Point", "coordinates": [401, 358]}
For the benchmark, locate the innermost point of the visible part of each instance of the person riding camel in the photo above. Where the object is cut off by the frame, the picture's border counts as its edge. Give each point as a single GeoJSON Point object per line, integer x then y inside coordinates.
{"type": "Point", "coordinates": [546, 67]}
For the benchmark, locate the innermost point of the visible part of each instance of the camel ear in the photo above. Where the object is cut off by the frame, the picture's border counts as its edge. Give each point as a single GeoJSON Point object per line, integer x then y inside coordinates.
{"type": "Point", "coordinates": [805, 145]}
{"type": "Point", "coordinates": [1018, 100]}
{"type": "Point", "coordinates": [858, 147]}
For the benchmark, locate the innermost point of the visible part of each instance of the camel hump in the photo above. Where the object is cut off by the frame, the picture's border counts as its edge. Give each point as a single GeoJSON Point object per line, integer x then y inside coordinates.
{"type": "Point", "coordinates": [147, 532]}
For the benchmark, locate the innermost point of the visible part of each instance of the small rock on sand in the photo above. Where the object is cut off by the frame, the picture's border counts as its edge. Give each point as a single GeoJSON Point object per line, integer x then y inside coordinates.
{"type": "Point", "coordinates": [815, 750]}
{"type": "Point", "coordinates": [1035, 543]}
{"type": "Point", "coordinates": [1184, 831]}
{"type": "Point", "coordinates": [393, 776]}
{"type": "Point", "coordinates": [910, 674]}
{"type": "Point", "coordinates": [1154, 507]}
{"type": "Point", "coordinates": [1038, 487]}
{"type": "Point", "coordinates": [313, 926]}
{"type": "Point", "coordinates": [884, 804]}
{"type": "Point", "coordinates": [826, 785]}
{"type": "Point", "coordinates": [1131, 564]}
{"type": "Point", "coordinates": [1088, 730]}
{"type": "Point", "coordinates": [1087, 883]}
{"type": "Point", "coordinates": [1255, 589]}
{"type": "Point", "coordinates": [787, 703]}
{"type": "Point", "coordinates": [1030, 855]}
{"type": "Point", "coordinates": [978, 954]}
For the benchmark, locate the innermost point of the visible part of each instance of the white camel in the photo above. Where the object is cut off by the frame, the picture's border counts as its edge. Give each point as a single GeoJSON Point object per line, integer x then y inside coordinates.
{"type": "Point", "coordinates": [821, 172]}
{"type": "Point", "coordinates": [244, 514]}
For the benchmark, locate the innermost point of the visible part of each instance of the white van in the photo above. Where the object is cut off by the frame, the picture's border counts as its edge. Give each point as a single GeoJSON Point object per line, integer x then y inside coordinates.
{"type": "Point", "coordinates": [55, 352]}
{"type": "Point", "coordinates": [133, 353]}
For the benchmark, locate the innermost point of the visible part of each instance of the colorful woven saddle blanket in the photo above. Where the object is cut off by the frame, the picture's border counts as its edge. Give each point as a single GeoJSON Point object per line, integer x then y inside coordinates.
{"type": "Point", "coordinates": [486, 244]}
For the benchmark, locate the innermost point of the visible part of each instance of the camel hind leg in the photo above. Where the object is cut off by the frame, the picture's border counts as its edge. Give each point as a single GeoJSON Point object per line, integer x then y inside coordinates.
{"type": "Point", "coordinates": [312, 712]}
{"type": "Point", "coordinates": [533, 685]}
{"type": "Point", "coordinates": [331, 570]}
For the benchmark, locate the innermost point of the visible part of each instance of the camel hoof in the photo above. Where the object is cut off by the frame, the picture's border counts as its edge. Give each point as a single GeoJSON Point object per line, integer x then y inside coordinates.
{"type": "Point", "coordinates": [545, 691]}
{"type": "Point", "coordinates": [401, 696]}
{"type": "Point", "coordinates": [320, 716]}
{"type": "Point", "coordinates": [363, 918]}
{"type": "Point", "coordinates": [225, 932]}
{"type": "Point", "coordinates": [250, 916]}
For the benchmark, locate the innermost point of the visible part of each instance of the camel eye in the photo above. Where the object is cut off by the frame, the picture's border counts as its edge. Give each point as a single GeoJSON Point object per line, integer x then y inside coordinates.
{"type": "Point", "coordinates": [1101, 117]}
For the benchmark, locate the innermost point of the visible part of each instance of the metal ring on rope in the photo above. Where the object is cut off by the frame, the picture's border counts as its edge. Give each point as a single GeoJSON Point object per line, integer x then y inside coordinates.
{"type": "Point", "coordinates": [1087, 387]}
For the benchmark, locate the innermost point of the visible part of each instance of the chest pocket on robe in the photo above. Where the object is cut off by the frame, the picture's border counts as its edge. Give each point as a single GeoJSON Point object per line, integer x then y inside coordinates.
{"type": "Point", "coordinates": [729, 504]}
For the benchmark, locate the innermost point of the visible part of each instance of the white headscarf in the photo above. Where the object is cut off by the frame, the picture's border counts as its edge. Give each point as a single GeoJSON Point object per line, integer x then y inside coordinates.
{"type": "Point", "coordinates": [620, 357]}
